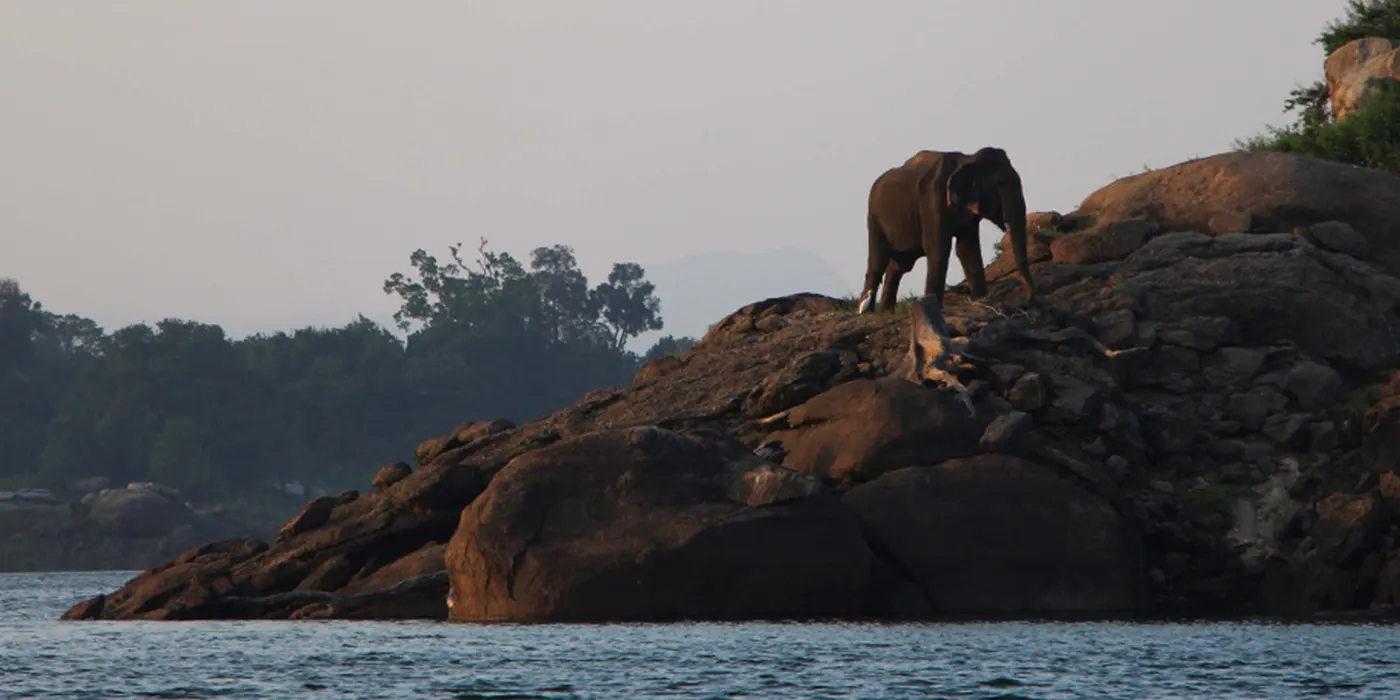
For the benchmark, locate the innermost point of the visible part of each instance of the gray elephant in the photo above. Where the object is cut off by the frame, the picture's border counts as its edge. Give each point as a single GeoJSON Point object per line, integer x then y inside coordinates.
{"type": "Point", "coordinates": [920, 207]}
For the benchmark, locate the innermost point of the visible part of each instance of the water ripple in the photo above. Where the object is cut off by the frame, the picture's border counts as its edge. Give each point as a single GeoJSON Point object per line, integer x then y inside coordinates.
{"type": "Point", "coordinates": [42, 658]}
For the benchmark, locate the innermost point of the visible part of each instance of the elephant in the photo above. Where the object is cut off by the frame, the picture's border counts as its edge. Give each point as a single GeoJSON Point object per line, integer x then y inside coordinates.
{"type": "Point", "coordinates": [918, 209]}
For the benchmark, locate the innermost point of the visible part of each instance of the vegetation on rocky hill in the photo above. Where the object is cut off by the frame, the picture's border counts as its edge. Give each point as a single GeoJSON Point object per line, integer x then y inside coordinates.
{"type": "Point", "coordinates": [1370, 137]}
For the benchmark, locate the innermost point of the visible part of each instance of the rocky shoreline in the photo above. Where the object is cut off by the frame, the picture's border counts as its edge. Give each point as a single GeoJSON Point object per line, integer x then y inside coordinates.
{"type": "Point", "coordinates": [1198, 420]}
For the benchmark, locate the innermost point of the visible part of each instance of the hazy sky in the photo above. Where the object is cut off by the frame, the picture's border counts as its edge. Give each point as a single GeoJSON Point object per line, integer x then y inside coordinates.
{"type": "Point", "coordinates": [267, 164]}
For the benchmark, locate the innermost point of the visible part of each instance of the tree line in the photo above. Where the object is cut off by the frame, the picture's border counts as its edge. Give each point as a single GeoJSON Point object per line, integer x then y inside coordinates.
{"type": "Point", "coordinates": [182, 403]}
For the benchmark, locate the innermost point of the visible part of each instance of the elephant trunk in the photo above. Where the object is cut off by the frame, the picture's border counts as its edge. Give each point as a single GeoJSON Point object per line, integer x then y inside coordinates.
{"type": "Point", "coordinates": [1013, 210]}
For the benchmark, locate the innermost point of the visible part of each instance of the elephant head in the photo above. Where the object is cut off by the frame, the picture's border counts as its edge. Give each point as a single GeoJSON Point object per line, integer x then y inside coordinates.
{"type": "Point", "coordinates": [986, 185]}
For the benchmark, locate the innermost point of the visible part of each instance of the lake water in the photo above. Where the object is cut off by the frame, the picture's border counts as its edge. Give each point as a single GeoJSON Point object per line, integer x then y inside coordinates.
{"type": "Point", "coordinates": [41, 657]}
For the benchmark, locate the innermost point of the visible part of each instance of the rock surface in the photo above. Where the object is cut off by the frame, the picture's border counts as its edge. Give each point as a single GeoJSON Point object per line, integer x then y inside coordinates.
{"type": "Point", "coordinates": [1058, 547]}
{"type": "Point", "coordinates": [321, 568]}
{"type": "Point", "coordinates": [1356, 70]}
{"type": "Point", "coordinates": [1277, 190]}
{"type": "Point", "coordinates": [1184, 424]}
{"type": "Point", "coordinates": [639, 524]}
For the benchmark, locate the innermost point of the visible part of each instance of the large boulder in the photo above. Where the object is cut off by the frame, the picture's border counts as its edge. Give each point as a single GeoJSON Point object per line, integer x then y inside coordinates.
{"type": "Point", "coordinates": [999, 535]}
{"type": "Point", "coordinates": [646, 523]}
{"type": "Point", "coordinates": [137, 513]}
{"type": "Point", "coordinates": [861, 429]}
{"type": "Point", "coordinates": [1274, 192]}
{"type": "Point", "coordinates": [1357, 69]}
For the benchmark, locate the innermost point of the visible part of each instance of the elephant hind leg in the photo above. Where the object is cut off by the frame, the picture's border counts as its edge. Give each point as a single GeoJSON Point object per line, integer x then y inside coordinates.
{"type": "Point", "coordinates": [894, 272]}
{"type": "Point", "coordinates": [876, 262]}
{"type": "Point", "coordinates": [970, 257]}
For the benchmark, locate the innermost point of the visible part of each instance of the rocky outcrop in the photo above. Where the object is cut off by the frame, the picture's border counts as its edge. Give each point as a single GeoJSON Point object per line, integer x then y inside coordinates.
{"type": "Point", "coordinates": [1357, 69]}
{"type": "Point", "coordinates": [1189, 422]}
{"type": "Point", "coordinates": [324, 565]}
{"type": "Point", "coordinates": [643, 523]}
{"type": "Point", "coordinates": [864, 428]}
{"type": "Point", "coordinates": [1254, 192]}
{"type": "Point", "coordinates": [997, 535]}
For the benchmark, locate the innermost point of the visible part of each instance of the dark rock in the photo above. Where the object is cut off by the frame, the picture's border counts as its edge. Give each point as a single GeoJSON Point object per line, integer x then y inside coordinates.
{"type": "Point", "coordinates": [637, 524]}
{"type": "Point", "coordinates": [1165, 365]}
{"type": "Point", "coordinates": [1338, 309]}
{"type": "Point", "coordinates": [806, 376]}
{"type": "Point", "coordinates": [462, 441]}
{"type": "Point", "coordinates": [1253, 407]}
{"type": "Point", "coordinates": [1322, 437]}
{"type": "Point", "coordinates": [772, 451]}
{"type": "Point", "coordinates": [1114, 241]}
{"type": "Point", "coordinates": [1007, 374]}
{"type": "Point", "coordinates": [1058, 548]}
{"type": "Point", "coordinates": [1388, 582]}
{"type": "Point", "coordinates": [1027, 393]}
{"type": "Point", "coordinates": [1233, 367]}
{"type": "Point", "coordinates": [1117, 466]}
{"type": "Point", "coordinates": [313, 515]}
{"type": "Point", "coordinates": [1289, 431]}
{"type": "Point", "coordinates": [1203, 333]}
{"type": "Point", "coordinates": [1225, 449]}
{"type": "Point", "coordinates": [1388, 486]}
{"type": "Point", "coordinates": [1116, 329]}
{"type": "Point", "coordinates": [333, 573]}
{"type": "Point", "coordinates": [391, 474]}
{"type": "Point", "coordinates": [1341, 237]}
{"type": "Point", "coordinates": [1095, 447]}
{"type": "Point", "coordinates": [1348, 528]}
{"type": "Point", "coordinates": [240, 579]}
{"type": "Point", "coordinates": [1380, 428]}
{"type": "Point", "coordinates": [863, 428]}
{"type": "Point", "coordinates": [1007, 433]}
{"type": "Point", "coordinates": [1314, 386]}
{"type": "Point", "coordinates": [1071, 400]}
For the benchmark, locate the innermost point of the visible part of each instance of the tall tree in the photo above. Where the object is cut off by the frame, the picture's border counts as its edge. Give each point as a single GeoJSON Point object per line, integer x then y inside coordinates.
{"type": "Point", "coordinates": [628, 304]}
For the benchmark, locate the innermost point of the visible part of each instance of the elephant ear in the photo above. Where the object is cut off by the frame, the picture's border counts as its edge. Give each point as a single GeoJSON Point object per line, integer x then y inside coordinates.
{"type": "Point", "coordinates": [962, 186]}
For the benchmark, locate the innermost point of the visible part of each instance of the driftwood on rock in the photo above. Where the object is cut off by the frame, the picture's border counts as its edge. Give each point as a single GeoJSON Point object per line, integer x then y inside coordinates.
{"type": "Point", "coordinates": [935, 358]}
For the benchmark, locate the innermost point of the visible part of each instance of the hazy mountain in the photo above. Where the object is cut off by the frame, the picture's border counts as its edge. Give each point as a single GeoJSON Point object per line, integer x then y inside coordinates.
{"type": "Point", "coordinates": [699, 289]}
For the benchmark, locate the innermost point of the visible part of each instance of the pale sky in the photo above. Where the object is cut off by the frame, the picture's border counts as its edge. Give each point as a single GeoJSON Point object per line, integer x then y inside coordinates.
{"type": "Point", "coordinates": [266, 164]}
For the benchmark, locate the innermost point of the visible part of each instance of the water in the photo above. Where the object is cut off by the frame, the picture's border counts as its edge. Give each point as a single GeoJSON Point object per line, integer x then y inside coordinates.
{"type": "Point", "coordinates": [40, 657]}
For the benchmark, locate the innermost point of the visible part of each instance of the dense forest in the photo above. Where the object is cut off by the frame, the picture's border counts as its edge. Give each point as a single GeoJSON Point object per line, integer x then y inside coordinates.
{"type": "Point", "coordinates": [183, 404]}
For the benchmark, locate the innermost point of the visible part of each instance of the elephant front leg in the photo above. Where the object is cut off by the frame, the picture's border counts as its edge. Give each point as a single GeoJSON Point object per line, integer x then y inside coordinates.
{"type": "Point", "coordinates": [938, 267]}
{"type": "Point", "coordinates": [970, 257]}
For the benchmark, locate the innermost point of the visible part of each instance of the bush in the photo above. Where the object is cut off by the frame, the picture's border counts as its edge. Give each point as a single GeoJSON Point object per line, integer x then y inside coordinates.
{"type": "Point", "coordinates": [1370, 137]}
{"type": "Point", "coordinates": [1363, 18]}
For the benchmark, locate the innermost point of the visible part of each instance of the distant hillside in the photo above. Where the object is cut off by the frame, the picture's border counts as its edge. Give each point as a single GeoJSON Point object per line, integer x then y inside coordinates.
{"type": "Point", "coordinates": [697, 289]}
